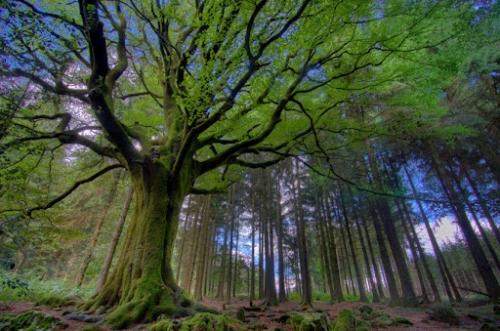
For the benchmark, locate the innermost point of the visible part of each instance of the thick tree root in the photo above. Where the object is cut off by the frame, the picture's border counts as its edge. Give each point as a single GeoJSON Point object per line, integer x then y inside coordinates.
{"type": "Point", "coordinates": [168, 302]}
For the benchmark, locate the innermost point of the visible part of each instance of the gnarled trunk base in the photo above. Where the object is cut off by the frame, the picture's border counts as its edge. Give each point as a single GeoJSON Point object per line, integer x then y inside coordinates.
{"type": "Point", "coordinates": [142, 285]}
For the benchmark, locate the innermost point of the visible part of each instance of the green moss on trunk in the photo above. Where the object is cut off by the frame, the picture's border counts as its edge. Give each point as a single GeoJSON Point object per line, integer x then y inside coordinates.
{"type": "Point", "coordinates": [141, 286]}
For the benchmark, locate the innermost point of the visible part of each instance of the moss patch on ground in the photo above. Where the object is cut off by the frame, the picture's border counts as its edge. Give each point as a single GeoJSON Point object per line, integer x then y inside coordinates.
{"type": "Point", "coordinates": [199, 322]}
{"type": "Point", "coordinates": [29, 321]}
{"type": "Point", "coordinates": [365, 319]}
{"type": "Point", "coordinates": [56, 301]}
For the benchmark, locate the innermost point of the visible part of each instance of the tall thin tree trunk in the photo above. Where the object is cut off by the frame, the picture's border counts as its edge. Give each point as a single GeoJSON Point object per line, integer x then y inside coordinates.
{"type": "Point", "coordinates": [373, 286]}
{"type": "Point", "coordinates": [302, 243]}
{"type": "Point", "coordinates": [483, 233]}
{"type": "Point", "coordinates": [231, 214]}
{"type": "Point", "coordinates": [103, 275]}
{"type": "Point", "coordinates": [261, 257]}
{"type": "Point", "coordinates": [194, 250]}
{"type": "Point", "coordinates": [235, 273]}
{"type": "Point", "coordinates": [334, 264]}
{"type": "Point", "coordinates": [359, 280]}
{"type": "Point", "coordinates": [281, 261]}
{"type": "Point", "coordinates": [222, 278]}
{"type": "Point", "coordinates": [384, 256]}
{"type": "Point", "coordinates": [184, 240]}
{"type": "Point", "coordinates": [252, 267]}
{"type": "Point", "coordinates": [376, 269]}
{"type": "Point", "coordinates": [97, 230]}
{"type": "Point", "coordinates": [388, 223]}
{"type": "Point", "coordinates": [421, 252]}
{"type": "Point", "coordinates": [321, 217]}
{"type": "Point", "coordinates": [482, 203]}
{"type": "Point", "coordinates": [202, 250]}
{"type": "Point", "coordinates": [413, 250]}
{"type": "Point", "coordinates": [443, 267]}
{"type": "Point", "coordinates": [482, 264]}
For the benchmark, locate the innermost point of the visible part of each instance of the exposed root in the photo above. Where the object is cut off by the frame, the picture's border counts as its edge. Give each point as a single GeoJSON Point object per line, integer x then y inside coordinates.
{"type": "Point", "coordinates": [145, 306]}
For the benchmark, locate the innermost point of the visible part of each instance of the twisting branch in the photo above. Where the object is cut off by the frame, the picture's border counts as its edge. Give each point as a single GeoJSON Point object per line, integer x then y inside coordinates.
{"type": "Point", "coordinates": [73, 188]}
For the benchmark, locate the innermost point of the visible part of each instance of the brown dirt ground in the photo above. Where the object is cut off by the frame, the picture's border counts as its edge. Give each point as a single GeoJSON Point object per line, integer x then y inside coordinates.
{"type": "Point", "coordinates": [265, 320]}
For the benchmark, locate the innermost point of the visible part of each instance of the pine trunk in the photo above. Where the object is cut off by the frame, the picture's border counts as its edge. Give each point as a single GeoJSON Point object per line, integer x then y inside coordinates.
{"type": "Point", "coordinates": [482, 264]}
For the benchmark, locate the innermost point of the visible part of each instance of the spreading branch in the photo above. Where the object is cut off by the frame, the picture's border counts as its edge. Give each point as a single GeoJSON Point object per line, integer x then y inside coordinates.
{"type": "Point", "coordinates": [77, 184]}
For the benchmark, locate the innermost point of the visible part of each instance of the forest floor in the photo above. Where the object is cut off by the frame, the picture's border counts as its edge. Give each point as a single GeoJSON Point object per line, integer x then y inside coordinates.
{"type": "Point", "coordinates": [471, 315]}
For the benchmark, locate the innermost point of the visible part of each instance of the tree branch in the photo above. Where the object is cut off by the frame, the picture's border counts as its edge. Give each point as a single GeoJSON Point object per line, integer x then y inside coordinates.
{"type": "Point", "coordinates": [73, 188]}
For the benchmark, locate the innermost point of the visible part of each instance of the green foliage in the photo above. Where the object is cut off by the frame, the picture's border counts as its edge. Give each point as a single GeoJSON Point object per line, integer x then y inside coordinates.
{"type": "Point", "coordinates": [13, 288]}
{"type": "Point", "coordinates": [345, 321]}
{"type": "Point", "coordinates": [29, 321]}
{"type": "Point", "coordinates": [53, 293]}
{"type": "Point", "coordinates": [321, 296]}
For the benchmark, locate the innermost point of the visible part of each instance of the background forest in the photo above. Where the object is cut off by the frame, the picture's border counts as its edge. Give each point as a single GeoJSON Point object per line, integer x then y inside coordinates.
{"type": "Point", "coordinates": [301, 165]}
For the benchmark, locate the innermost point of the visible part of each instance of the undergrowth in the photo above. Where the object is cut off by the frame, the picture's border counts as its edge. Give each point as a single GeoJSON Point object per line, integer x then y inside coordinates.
{"type": "Point", "coordinates": [44, 292]}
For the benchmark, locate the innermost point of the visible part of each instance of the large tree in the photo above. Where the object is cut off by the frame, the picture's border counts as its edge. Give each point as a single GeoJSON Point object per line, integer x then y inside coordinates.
{"type": "Point", "coordinates": [179, 92]}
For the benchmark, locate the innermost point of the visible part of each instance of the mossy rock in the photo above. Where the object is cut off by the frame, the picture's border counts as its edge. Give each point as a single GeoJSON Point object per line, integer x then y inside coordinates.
{"type": "Point", "coordinates": [29, 321]}
{"type": "Point", "coordinates": [309, 321]}
{"type": "Point", "coordinates": [443, 313]}
{"type": "Point", "coordinates": [199, 322]}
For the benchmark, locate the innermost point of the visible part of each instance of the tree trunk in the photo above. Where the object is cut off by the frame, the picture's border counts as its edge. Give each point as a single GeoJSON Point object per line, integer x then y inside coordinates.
{"type": "Point", "coordinates": [483, 233]}
{"type": "Point", "coordinates": [252, 267]}
{"type": "Point", "coordinates": [103, 275]}
{"type": "Point", "coordinates": [142, 285]}
{"type": "Point", "coordinates": [443, 267]}
{"type": "Point", "coordinates": [321, 220]}
{"type": "Point", "coordinates": [222, 278]}
{"type": "Point", "coordinates": [413, 250]}
{"type": "Point", "coordinates": [202, 250]}
{"type": "Point", "coordinates": [302, 243]}
{"type": "Point", "coordinates": [330, 236]}
{"type": "Point", "coordinates": [382, 205]}
{"type": "Point", "coordinates": [482, 264]}
{"type": "Point", "coordinates": [384, 256]}
{"type": "Point", "coordinates": [421, 252]}
{"type": "Point", "coordinates": [281, 261]}
{"type": "Point", "coordinates": [482, 203]}
{"type": "Point", "coordinates": [184, 240]}
{"type": "Point", "coordinates": [97, 231]}
{"type": "Point", "coordinates": [376, 269]}
{"type": "Point", "coordinates": [373, 286]}
{"type": "Point", "coordinates": [229, 277]}
{"type": "Point", "coordinates": [235, 273]}
{"type": "Point", "coordinates": [261, 257]}
{"type": "Point", "coordinates": [361, 286]}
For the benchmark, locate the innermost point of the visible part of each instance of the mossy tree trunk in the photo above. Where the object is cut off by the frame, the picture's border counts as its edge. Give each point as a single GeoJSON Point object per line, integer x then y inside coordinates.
{"type": "Point", "coordinates": [142, 285]}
